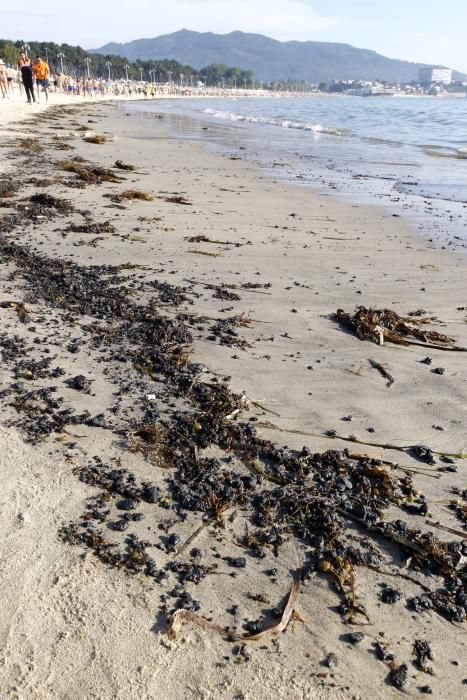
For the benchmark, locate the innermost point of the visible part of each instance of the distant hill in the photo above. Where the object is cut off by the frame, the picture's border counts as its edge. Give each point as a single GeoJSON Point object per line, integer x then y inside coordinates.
{"type": "Point", "coordinates": [269, 59]}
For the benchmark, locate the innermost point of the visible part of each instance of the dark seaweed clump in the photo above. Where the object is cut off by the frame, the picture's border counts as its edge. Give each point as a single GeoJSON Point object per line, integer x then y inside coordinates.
{"type": "Point", "coordinates": [95, 227]}
{"type": "Point", "coordinates": [47, 201]}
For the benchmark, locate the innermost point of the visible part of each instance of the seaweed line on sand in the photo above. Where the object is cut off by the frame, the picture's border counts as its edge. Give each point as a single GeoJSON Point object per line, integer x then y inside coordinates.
{"type": "Point", "coordinates": [318, 499]}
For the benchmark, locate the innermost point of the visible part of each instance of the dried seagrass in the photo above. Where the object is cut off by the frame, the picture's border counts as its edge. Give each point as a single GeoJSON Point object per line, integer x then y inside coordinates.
{"type": "Point", "coordinates": [87, 172]}
{"type": "Point", "coordinates": [120, 165]}
{"type": "Point", "coordinates": [181, 616]}
{"type": "Point", "coordinates": [178, 199]}
{"type": "Point", "coordinates": [97, 139]}
{"type": "Point", "coordinates": [19, 307]}
{"type": "Point", "coordinates": [385, 325]}
{"type": "Point", "coordinates": [91, 227]}
{"type": "Point", "coordinates": [47, 201]}
{"type": "Point", "coordinates": [131, 194]}
{"type": "Point", "coordinates": [151, 440]}
{"type": "Point", "coordinates": [8, 188]}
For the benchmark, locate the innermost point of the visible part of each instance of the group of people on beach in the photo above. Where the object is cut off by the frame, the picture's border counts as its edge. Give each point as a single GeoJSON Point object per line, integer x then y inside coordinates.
{"type": "Point", "coordinates": [6, 79]}
{"type": "Point", "coordinates": [28, 73]}
{"type": "Point", "coordinates": [33, 77]}
{"type": "Point", "coordinates": [37, 71]}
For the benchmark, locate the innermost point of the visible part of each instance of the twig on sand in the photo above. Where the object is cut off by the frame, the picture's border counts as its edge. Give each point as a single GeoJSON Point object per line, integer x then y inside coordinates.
{"type": "Point", "coordinates": [438, 526]}
{"type": "Point", "coordinates": [194, 535]}
{"type": "Point", "coordinates": [205, 252]}
{"type": "Point", "coordinates": [207, 285]}
{"type": "Point", "coordinates": [384, 446]}
{"type": "Point", "coordinates": [400, 467]}
{"type": "Point", "coordinates": [263, 408]}
{"type": "Point", "coordinates": [383, 371]}
{"type": "Point", "coordinates": [399, 574]}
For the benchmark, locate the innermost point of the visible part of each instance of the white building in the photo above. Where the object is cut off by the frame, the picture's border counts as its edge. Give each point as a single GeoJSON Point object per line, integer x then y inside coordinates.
{"type": "Point", "coordinates": [432, 74]}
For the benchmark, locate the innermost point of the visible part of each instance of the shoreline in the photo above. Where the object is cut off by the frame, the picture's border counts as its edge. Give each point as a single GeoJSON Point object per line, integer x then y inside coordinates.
{"type": "Point", "coordinates": [432, 217]}
{"type": "Point", "coordinates": [298, 371]}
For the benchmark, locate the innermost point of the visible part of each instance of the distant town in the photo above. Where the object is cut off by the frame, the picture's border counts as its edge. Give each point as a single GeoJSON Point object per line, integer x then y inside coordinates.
{"type": "Point", "coordinates": [431, 81]}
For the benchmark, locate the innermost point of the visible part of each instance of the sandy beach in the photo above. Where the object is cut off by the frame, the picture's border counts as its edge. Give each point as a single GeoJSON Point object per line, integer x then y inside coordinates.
{"type": "Point", "coordinates": [216, 240]}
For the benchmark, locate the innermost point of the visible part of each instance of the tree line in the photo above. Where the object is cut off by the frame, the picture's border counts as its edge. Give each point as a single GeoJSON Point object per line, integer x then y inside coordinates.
{"type": "Point", "coordinates": [78, 62]}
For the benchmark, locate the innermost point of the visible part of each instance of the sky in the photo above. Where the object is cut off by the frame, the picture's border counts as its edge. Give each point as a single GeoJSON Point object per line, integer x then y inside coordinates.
{"type": "Point", "coordinates": [427, 31]}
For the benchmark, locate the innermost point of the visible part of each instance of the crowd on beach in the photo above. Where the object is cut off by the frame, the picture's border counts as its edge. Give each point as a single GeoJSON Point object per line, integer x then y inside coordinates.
{"type": "Point", "coordinates": [31, 78]}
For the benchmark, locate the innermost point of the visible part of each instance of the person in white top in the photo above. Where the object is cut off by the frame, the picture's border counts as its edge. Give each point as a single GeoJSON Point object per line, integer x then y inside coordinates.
{"type": "Point", "coordinates": [3, 78]}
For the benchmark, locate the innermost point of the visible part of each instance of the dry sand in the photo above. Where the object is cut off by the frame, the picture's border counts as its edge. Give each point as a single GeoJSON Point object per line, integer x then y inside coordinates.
{"type": "Point", "coordinates": [71, 628]}
{"type": "Point", "coordinates": [14, 110]}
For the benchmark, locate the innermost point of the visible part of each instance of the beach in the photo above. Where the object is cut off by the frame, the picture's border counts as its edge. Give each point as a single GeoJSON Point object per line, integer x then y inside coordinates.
{"type": "Point", "coordinates": [230, 242]}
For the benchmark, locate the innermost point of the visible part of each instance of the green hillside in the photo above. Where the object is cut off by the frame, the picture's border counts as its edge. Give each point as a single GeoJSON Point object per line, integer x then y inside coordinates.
{"type": "Point", "coordinates": [270, 60]}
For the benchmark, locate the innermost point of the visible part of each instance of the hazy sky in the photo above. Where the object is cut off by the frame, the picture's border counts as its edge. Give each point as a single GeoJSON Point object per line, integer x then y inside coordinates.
{"type": "Point", "coordinates": [430, 31]}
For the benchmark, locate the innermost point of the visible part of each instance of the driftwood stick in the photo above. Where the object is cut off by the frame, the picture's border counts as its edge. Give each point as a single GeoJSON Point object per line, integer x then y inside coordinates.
{"type": "Point", "coordinates": [383, 371]}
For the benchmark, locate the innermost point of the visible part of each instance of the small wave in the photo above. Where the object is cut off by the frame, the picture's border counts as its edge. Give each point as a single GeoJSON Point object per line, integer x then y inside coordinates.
{"type": "Point", "coordinates": [283, 123]}
{"type": "Point", "coordinates": [456, 154]}
{"type": "Point", "coordinates": [446, 193]}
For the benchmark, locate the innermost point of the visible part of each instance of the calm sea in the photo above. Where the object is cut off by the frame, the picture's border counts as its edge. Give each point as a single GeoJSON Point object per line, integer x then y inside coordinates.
{"type": "Point", "coordinates": [408, 154]}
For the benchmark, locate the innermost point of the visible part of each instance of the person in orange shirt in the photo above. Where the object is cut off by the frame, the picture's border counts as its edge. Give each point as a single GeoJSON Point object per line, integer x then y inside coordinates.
{"type": "Point", "coordinates": [40, 70]}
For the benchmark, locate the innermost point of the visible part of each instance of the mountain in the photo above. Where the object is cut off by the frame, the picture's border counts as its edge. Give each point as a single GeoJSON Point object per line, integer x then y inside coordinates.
{"type": "Point", "coordinates": [269, 59]}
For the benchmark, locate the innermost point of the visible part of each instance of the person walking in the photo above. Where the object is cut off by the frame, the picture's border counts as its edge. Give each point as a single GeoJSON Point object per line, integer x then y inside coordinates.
{"type": "Point", "coordinates": [3, 78]}
{"type": "Point", "coordinates": [40, 70]}
{"type": "Point", "coordinates": [10, 76]}
{"type": "Point", "coordinates": [25, 66]}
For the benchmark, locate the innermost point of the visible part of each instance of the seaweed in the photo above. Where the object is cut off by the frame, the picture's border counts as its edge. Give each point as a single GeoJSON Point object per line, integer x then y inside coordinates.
{"type": "Point", "coordinates": [460, 507]}
{"type": "Point", "coordinates": [152, 440]}
{"type": "Point", "coordinates": [178, 199]}
{"type": "Point", "coordinates": [226, 330]}
{"type": "Point", "coordinates": [423, 653]}
{"type": "Point", "coordinates": [8, 188]}
{"type": "Point", "coordinates": [59, 145]}
{"type": "Point", "coordinates": [19, 307]}
{"type": "Point", "coordinates": [385, 325]}
{"type": "Point", "coordinates": [94, 174]}
{"type": "Point", "coordinates": [127, 195]}
{"type": "Point", "coordinates": [40, 181]}
{"type": "Point", "coordinates": [120, 165]}
{"type": "Point", "coordinates": [96, 138]}
{"type": "Point", "coordinates": [30, 144]}
{"type": "Point", "coordinates": [92, 227]}
{"type": "Point", "coordinates": [47, 201]}
{"type": "Point", "coordinates": [225, 294]}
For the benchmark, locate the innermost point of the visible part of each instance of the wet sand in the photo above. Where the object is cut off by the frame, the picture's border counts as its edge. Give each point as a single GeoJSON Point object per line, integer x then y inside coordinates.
{"type": "Point", "coordinates": [72, 627]}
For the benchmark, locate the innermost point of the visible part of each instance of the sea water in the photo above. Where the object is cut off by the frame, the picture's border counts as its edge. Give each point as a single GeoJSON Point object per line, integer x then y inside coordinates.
{"type": "Point", "coordinates": [409, 154]}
